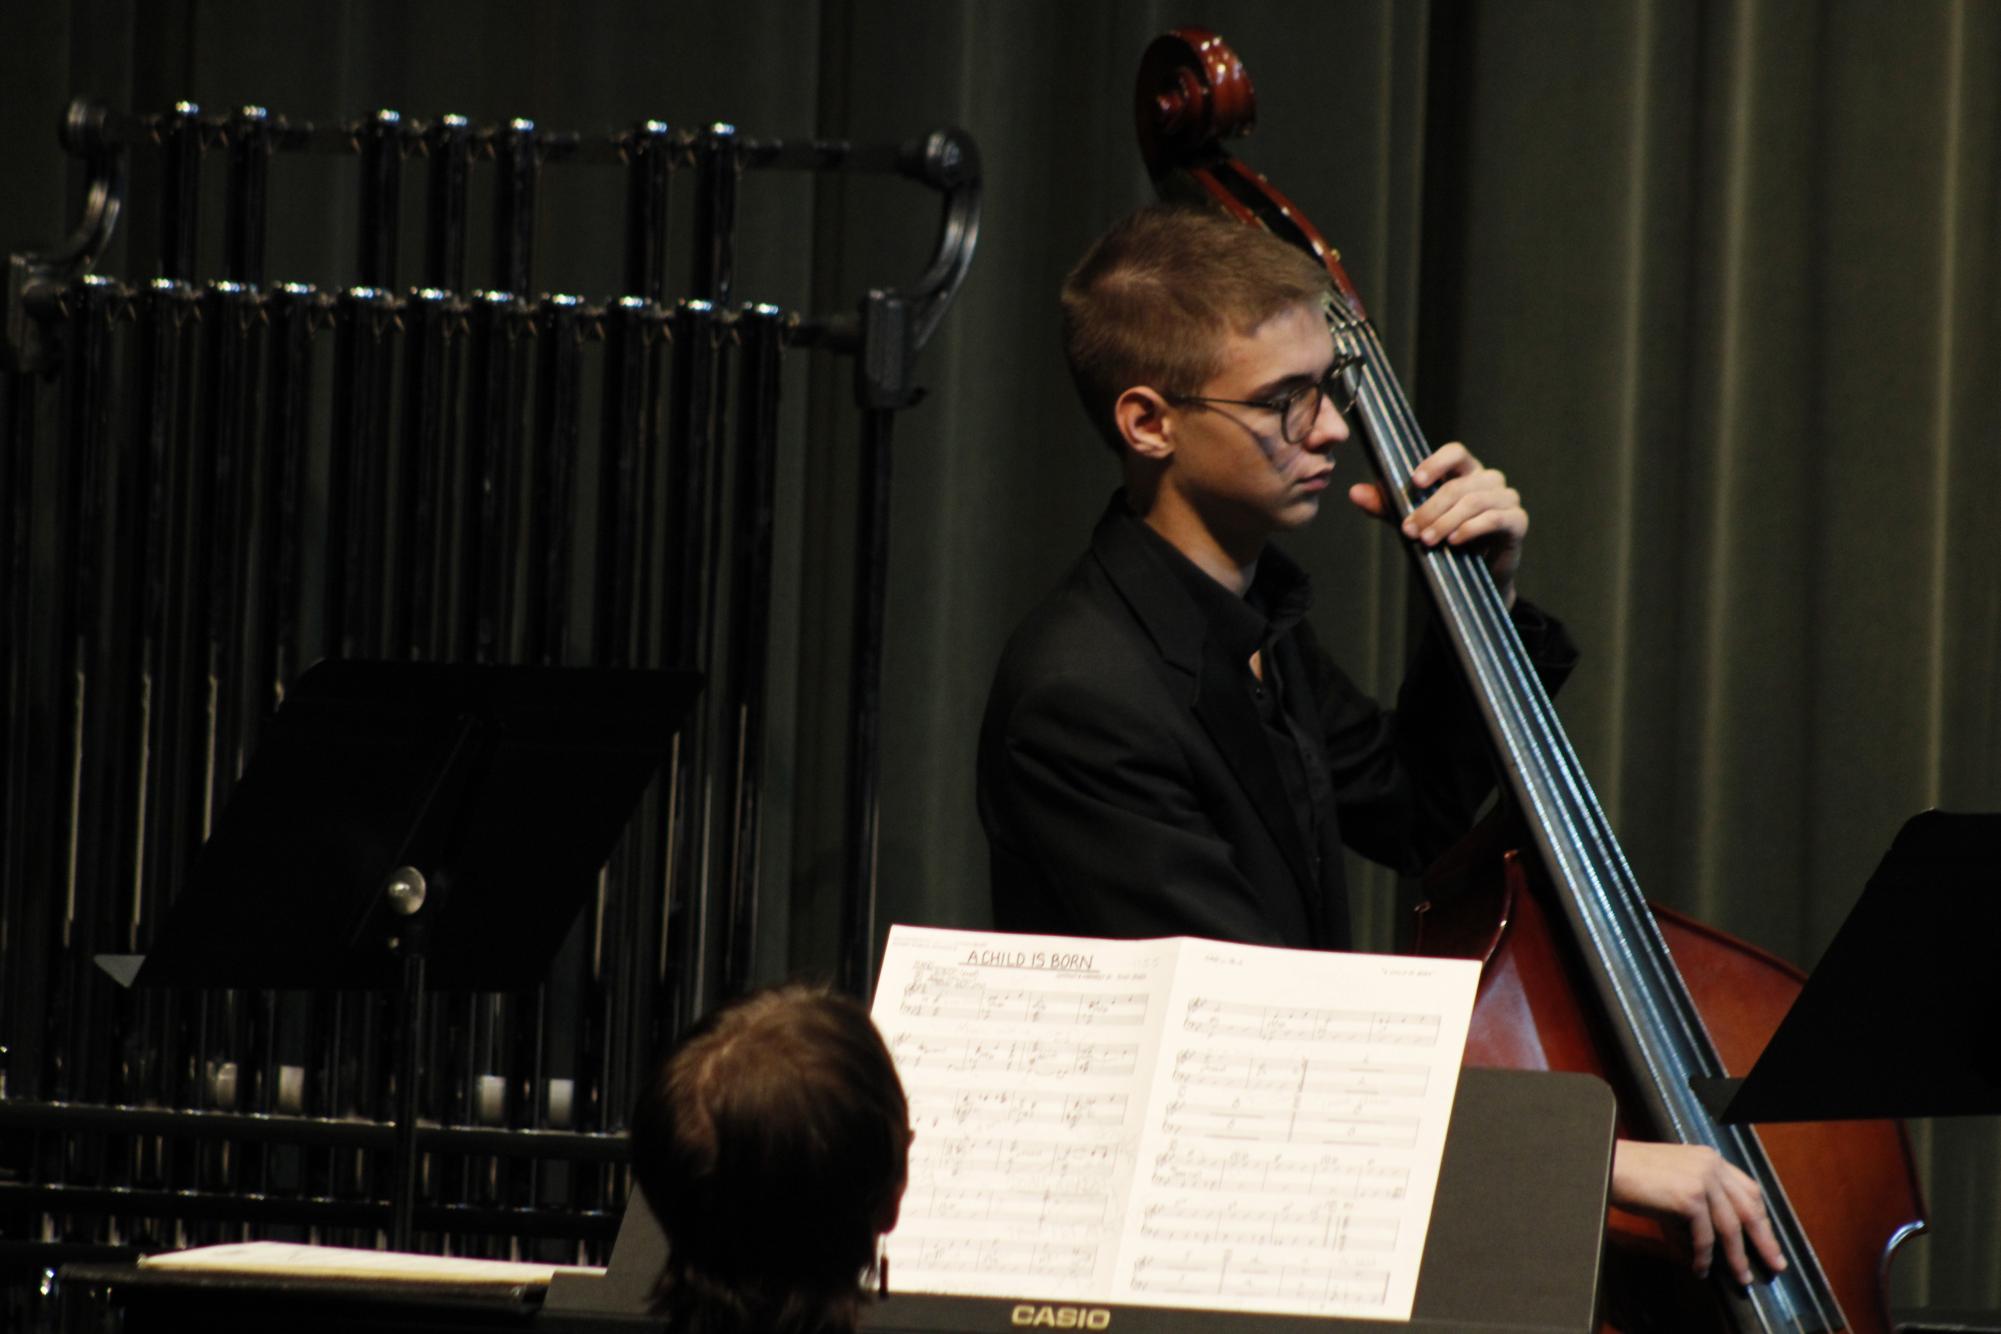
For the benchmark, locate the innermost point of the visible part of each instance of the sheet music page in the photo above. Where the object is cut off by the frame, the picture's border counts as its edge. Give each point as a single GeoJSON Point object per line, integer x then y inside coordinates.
{"type": "Point", "coordinates": [1026, 1063]}
{"type": "Point", "coordinates": [1295, 1131]}
{"type": "Point", "coordinates": [298, 1260]}
{"type": "Point", "coordinates": [1170, 1122]}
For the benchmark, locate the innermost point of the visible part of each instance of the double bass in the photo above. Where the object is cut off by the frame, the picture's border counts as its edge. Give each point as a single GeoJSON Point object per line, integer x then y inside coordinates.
{"type": "Point", "coordinates": [1580, 971]}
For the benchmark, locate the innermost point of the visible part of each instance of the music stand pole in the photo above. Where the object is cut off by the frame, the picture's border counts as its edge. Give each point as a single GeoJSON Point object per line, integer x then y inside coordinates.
{"type": "Point", "coordinates": [405, 892]}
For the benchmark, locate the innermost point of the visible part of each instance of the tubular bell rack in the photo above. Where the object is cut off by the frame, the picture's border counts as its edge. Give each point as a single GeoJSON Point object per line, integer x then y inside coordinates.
{"type": "Point", "coordinates": [208, 482]}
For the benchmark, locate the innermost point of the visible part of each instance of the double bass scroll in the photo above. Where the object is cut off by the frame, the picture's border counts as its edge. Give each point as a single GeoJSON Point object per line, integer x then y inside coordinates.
{"type": "Point", "coordinates": [1581, 972]}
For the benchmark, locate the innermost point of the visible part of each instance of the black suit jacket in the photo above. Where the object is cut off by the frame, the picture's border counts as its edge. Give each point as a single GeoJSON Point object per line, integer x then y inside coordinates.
{"type": "Point", "coordinates": [1128, 788]}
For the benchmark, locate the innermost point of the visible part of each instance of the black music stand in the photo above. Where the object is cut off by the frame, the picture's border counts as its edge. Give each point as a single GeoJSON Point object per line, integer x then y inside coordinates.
{"type": "Point", "coordinates": [416, 826]}
{"type": "Point", "coordinates": [1900, 1018]}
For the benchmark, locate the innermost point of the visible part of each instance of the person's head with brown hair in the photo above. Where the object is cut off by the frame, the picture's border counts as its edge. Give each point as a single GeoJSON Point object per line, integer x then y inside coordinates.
{"type": "Point", "coordinates": [1154, 299]}
{"type": "Point", "coordinates": [773, 1145]}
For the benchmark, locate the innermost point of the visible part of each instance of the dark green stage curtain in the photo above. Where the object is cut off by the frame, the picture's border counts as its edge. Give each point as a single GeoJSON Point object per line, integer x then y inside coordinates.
{"type": "Point", "coordinates": [1711, 281]}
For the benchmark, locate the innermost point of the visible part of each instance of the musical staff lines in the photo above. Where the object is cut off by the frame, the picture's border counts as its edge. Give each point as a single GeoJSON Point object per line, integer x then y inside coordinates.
{"type": "Point", "coordinates": [1213, 1274]}
{"type": "Point", "coordinates": [1248, 1171]}
{"type": "Point", "coordinates": [1274, 1023]}
{"type": "Point", "coordinates": [1308, 1076]}
{"type": "Point", "coordinates": [1296, 1100]}
{"type": "Point", "coordinates": [945, 1157]}
{"type": "Point", "coordinates": [1051, 1210]}
{"type": "Point", "coordinates": [1004, 1110]}
{"type": "Point", "coordinates": [978, 1258]}
{"type": "Point", "coordinates": [1054, 1058]}
{"type": "Point", "coordinates": [937, 992]}
{"type": "Point", "coordinates": [1296, 1121]}
{"type": "Point", "coordinates": [1324, 1225]}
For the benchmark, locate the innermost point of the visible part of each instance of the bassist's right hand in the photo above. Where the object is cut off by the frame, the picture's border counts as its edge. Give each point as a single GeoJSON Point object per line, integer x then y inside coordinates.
{"type": "Point", "coordinates": [1693, 1185]}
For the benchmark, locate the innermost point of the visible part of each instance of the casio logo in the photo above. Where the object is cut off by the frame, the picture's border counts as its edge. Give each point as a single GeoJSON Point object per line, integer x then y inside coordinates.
{"type": "Point", "coordinates": [1061, 1317]}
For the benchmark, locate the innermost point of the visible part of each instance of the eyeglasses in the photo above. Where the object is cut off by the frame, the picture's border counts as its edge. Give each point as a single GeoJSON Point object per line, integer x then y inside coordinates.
{"type": "Point", "coordinates": [1298, 409]}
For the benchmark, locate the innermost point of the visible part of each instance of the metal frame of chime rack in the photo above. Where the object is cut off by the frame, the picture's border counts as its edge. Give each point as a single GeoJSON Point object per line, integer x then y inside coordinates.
{"type": "Point", "coordinates": [206, 482]}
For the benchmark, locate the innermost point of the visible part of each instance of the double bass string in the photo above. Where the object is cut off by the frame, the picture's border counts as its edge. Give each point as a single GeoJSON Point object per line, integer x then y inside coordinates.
{"type": "Point", "coordinates": [1551, 777]}
{"type": "Point", "coordinates": [1552, 780]}
{"type": "Point", "coordinates": [1527, 724]}
{"type": "Point", "coordinates": [1526, 716]}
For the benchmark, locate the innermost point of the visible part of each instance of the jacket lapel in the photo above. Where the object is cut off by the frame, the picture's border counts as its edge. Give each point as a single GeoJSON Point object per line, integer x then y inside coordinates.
{"type": "Point", "coordinates": [1216, 694]}
{"type": "Point", "coordinates": [1231, 718]}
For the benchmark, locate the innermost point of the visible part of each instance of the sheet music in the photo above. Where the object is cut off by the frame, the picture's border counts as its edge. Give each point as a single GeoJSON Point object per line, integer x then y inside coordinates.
{"type": "Point", "coordinates": [1297, 1127]}
{"type": "Point", "coordinates": [298, 1260]}
{"type": "Point", "coordinates": [1025, 1059]}
{"type": "Point", "coordinates": [1170, 1122]}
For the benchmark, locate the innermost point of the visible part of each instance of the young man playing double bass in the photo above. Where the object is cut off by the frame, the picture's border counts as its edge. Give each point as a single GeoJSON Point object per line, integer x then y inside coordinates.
{"type": "Point", "coordinates": [1166, 749]}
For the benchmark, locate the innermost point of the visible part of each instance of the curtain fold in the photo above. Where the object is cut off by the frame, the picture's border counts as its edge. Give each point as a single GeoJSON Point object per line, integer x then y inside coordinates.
{"type": "Point", "coordinates": [1725, 273]}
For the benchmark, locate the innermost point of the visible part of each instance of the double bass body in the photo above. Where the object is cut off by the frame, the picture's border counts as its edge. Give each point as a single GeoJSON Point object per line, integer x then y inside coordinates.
{"type": "Point", "coordinates": [1851, 1184]}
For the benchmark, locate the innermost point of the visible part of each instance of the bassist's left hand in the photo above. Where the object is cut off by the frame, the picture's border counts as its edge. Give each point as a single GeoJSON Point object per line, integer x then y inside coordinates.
{"type": "Point", "coordinates": [1473, 503]}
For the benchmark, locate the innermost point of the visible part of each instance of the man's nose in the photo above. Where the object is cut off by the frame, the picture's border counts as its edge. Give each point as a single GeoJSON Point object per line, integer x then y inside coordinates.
{"type": "Point", "coordinates": [1330, 428]}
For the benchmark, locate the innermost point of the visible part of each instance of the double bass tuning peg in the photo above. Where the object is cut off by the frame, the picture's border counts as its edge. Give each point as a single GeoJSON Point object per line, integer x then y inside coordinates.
{"type": "Point", "coordinates": [1192, 91]}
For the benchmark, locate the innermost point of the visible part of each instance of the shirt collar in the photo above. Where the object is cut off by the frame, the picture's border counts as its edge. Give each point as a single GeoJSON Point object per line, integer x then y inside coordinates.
{"type": "Point", "coordinates": [1278, 598]}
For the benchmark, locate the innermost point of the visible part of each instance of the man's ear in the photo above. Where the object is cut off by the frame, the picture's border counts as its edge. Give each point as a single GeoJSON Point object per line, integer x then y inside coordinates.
{"type": "Point", "coordinates": [1142, 415]}
{"type": "Point", "coordinates": [892, 1208]}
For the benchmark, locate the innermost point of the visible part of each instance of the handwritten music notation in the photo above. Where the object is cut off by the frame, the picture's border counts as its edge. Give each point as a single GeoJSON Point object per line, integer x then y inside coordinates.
{"type": "Point", "coordinates": [1324, 1225]}
{"type": "Point", "coordinates": [962, 1108]}
{"type": "Point", "coordinates": [1181, 1166]}
{"type": "Point", "coordinates": [1273, 1023]}
{"type": "Point", "coordinates": [1055, 1058]}
{"type": "Point", "coordinates": [1208, 1273]}
{"type": "Point", "coordinates": [941, 993]}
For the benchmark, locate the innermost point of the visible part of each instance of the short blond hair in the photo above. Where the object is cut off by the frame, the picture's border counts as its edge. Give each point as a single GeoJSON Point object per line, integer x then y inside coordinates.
{"type": "Point", "coordinates": [1149, 302]}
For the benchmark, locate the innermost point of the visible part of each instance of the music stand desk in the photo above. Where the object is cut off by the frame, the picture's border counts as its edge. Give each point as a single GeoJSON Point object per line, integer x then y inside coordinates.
{"type": "Point", "coordinates": [1898, 1018]}
{"type": "Point", "coordinates": [414, 827]}
{"type": "Point", "coordinates": [1517, 1229]}
{"type": "Point", "coordinates": [1516, 1233]}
